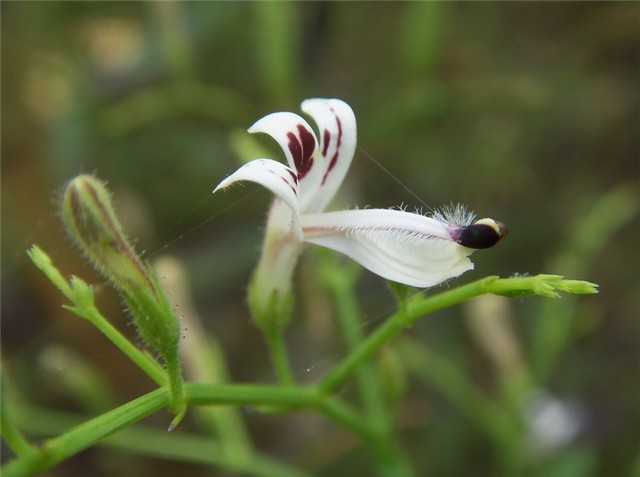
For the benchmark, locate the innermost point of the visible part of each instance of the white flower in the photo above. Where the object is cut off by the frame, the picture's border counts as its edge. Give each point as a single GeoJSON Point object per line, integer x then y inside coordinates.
{"type": "Point", "coordinates": [405, 247]}
{"type": "Point", "coordinates": [552, 422]}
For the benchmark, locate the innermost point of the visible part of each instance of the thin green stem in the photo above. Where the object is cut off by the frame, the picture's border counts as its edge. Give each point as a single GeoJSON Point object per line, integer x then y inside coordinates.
{"type": "Point", "coordinates": [141, 440]}
{"type": "Point", "coordinates": [12, 435]}
{"type": "Point", "coordinates": [340, 283]}
{"type": "Point", "coordinates": [199, 394]}
{"type": "Point", "coordinates": [204, 362]}
{"type": "Point", "coordinates": [419, 306]}
{"type": "Point", "coordinates": [142, 360]}
{"type": "Point", "coordinates": [341, 413]}
{"type": "Point", "coordinates": [81, 295]}
{"type": "Point", "coordinates": [176, 381]}
{"type": "Point", "coordinates": [279, 356]}
{"type": "Point", "coordinates": [293, 397]}
{"type": "Point", "coordinates": [71, 442]}
{"type": "Point", "coordinates": [9, 431]}
{"type": "Point", "coordinates": [393, 326]}
{"type": "Point", "coordinates": [60, 448]}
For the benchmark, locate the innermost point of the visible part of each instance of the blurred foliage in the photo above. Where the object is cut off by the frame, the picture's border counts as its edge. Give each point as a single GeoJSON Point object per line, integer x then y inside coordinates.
{"type": "Point", "coordinates": [528, 112]}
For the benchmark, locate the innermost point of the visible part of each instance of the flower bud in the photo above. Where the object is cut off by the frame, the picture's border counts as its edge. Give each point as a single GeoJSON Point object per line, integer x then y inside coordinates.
{"type": "Point", "coordinates": [90, 220]}
{"type": "Point", "coordinates": [88, 216]}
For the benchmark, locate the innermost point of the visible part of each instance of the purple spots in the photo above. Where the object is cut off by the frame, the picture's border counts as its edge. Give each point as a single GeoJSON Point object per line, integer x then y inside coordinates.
{"type": "Point", "coordinates": [302, 148]}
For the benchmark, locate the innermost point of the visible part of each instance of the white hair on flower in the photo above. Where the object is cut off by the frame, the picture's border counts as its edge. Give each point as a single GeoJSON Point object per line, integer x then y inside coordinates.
{"type": "Point", "coordinates": [455, 215]}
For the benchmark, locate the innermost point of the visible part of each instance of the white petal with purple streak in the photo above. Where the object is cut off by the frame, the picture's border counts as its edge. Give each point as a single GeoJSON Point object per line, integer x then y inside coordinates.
{"type": "Point", "coordinates": [275, 176]}
{"type": "Point", "coordinates": [338, 137]}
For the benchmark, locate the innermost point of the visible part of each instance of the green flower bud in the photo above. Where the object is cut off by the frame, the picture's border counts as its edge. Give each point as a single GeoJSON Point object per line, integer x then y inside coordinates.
{"type": "Point", "coordinates": [90, 220]}
{"type": "Point", "coordinates": [88, 216]}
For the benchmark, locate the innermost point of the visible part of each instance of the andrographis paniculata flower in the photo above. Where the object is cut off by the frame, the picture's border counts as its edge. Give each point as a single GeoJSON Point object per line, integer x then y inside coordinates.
{"type": "Point", "coordinates": [408, 248]}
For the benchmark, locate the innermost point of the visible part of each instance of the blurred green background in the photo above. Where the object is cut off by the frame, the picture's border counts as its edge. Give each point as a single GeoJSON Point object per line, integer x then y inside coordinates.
{"type": "Point", "coordinates": [527, 112]}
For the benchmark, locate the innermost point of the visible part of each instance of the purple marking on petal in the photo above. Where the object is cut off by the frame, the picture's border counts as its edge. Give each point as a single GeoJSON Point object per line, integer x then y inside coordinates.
{"type": "Point", "coordinates": [295, 192]}
{"type": "Point", "coordinates": [293, 176]}
{"type": "Point", "coordinates": [296, 149]}
{"type": "Point", "coordinates": [284, 179]}
{"type": "Point", "coordinates": [308, 145]}
{"type": "Point", "coordinates": [334, 159]}
{"type": "Point", "coordinates": [339, 129]}
{"type": "Point", "coordinates": [302, 148]}
{"type": "Point", "coordinates": [332, 164]}
{"type": "Point", "coordinates": [326, 139]}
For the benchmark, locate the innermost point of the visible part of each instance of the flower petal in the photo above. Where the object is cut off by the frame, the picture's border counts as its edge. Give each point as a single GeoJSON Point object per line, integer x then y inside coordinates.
{"type": "Point", "coordinates": [338, 137]}
{"type": "Point", "coordinates": [273, 175]}
{"type": "Point", "coordinates": [400, 246]}
{"type": "Point", "coordinates": [295, 137]}
{"type": "Point", "coordinates": [298, 141]}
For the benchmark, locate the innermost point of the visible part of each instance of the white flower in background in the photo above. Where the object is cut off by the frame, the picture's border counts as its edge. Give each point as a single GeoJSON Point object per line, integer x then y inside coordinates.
{"type": "Point", "coordinates": [405, 247]}
{"type": "Point", "coordinates": [552, 422]}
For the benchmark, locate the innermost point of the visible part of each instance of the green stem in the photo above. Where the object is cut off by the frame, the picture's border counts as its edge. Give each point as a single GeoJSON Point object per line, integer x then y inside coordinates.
{"type": "Point", "coordinates": [176, 381]}
{"type": "Point", "coordinates": [141, 359]}
{"type": "Point", "coordinates": [81, 295]}
{"type": "Point", "coordinates": [278, 350]}
{"type": "Point", "coordinates": [340, 284]}
{"type": "Point", "coordinates": [293, 397]}
{"type": "Point", "coordinates": [419, 306]}
{"type": "Point", "coordinates": [60, 448]}
{"type": "Point", "coordinates": [204, 362]}
{"type": "Point", "coordinates": [388, 330]}
{"type": "Point", "coordinates": [141, 440]}
{"type": "Point", "coordinates": [10, 433]}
